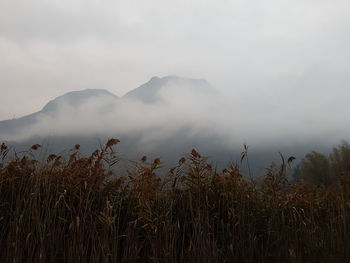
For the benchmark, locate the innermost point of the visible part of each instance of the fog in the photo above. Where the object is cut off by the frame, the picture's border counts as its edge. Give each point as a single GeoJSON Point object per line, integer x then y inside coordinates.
{"type": "Point", "coordinates": [280, 68]}
{"type": "Point", "coordinates": [202, 114]}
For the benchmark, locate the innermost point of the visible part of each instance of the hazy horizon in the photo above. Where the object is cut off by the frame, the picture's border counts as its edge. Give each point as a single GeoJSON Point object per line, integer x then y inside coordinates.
{"type": "Point", "coordinates": [189, 108]}
{"type": "Point", "coordinates": [281, 68]}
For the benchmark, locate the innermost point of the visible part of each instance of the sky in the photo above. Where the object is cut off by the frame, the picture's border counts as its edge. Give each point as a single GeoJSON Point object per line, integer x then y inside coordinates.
{"type": "Point", "coordinates": [268, 56]}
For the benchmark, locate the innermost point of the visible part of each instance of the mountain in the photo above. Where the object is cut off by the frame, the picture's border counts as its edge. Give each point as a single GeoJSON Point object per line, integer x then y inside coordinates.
{"type": "Point", "coordinates": [76, 99]}
{"type": "Point", "coordinates": [175, 115]}
{"type": "Point", "coordinates": [156, 88]}
{"type": "Point", "coordinates": [71, 99]}
{"type": "Point", "coordinates": [10, 126]}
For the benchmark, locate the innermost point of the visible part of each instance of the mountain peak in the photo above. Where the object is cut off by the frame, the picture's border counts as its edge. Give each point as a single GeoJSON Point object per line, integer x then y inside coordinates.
{"type": "Point", "coordinates": [75, 98]}
{"type": "Point", "coordinates": [150, 91]}
{"type": "Point", "coordinates": [155, 78]}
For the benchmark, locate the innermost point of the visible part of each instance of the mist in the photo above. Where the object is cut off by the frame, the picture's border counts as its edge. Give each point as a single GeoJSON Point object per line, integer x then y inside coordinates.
{"type": "Point", "coordinates": [258, 120]}
{"type": "Point", "coordinates": [279, 69]}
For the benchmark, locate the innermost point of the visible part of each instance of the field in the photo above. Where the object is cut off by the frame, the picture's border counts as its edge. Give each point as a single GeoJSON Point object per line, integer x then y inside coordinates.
{"type": "Point", "coordinates": [74, 209]}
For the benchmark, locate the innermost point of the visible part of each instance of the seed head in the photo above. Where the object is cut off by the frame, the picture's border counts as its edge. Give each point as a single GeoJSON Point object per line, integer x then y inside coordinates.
{"type": "Point", "coordinates": [194, 153]}
{"type": "Point", "coordinates": [35, 147]}
{"type": "Point", "coordinates": [112, 142]}
{"type": "Point", "coordinates": [182, 160]}
{"type": "Point", "coordinates": [3, 147]}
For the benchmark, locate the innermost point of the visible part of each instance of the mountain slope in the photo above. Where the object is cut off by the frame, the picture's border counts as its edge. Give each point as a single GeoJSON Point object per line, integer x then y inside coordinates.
{"type": "Point", "coordinates": [76, 98]}
{"type": "Point", "coordinates": [73, 99]}
{"type": "Point", "coordinates": [154, 90]}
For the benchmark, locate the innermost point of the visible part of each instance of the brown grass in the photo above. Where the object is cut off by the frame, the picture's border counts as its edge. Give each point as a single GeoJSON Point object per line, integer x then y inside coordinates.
{"type": "Point", "coordinates": [75, 210]}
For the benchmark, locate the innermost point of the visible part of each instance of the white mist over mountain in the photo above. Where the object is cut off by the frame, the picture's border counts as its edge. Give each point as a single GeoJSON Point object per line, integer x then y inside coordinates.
{"type": "Point", "coordinates": [171, 107]}
{"type": "Point", "coordinates": [169, 116]}
{"type": "Point", "coordinates": [158, 109]}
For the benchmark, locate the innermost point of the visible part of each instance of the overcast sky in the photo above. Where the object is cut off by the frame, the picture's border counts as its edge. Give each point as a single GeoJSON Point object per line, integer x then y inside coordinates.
{"type": "Point", "coordinates": [278, 51]}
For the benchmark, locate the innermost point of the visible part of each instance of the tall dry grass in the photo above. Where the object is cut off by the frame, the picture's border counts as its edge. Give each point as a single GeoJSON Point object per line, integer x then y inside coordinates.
{"type": "Point", "coordinates": [75, 210]}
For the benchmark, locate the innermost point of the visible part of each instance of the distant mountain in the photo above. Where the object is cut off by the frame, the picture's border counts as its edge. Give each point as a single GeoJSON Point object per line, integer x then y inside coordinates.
{"type": "Point", "coordinates": [71, 99]}
{"type": "Point", "coordinates": [150, 92]}
{"type": "Point", "coordinates": [76, 98]}
{"type": "Point", "coordinates": [10, 126]}
{"type": "Point", "coordinates": [153, 91]}
{"type": "Point", "coordinates": [90, 117]}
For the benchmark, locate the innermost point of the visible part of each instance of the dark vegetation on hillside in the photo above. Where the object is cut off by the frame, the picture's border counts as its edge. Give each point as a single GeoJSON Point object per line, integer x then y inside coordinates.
{"type": "Point", "coordinates": [73, 209]}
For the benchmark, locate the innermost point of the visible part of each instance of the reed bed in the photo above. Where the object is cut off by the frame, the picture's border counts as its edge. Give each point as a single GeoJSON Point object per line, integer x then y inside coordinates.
{"type": "Point", "coordinates": [75, 209]}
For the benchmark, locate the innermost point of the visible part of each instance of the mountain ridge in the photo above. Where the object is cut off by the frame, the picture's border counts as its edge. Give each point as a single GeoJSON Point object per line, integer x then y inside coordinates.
{"type": "Point", "coordinates": [146, 93]}
{"type": "Point", "coordinates": [149, 92]}
{"type": "Point", "coordinates": [73, 98]}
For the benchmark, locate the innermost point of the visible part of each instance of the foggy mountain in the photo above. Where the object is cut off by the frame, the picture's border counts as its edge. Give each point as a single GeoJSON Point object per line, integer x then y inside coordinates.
{"type": "Point", "coordinates": [99, 103]}
{"type": "Point", "coordinates": [164, 117]}
{"type": "Point", "coordinates": [72, 99]}
{"type": "Point", "coordinates": [75, 99]}
{"type": "Point", "coordinates": [151, 92]}
{"type": "Point", "coordinates": [89, 117]}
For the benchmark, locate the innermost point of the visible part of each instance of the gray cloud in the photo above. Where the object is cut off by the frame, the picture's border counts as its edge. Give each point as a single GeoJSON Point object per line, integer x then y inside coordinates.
{"type": "Point", "coordinates": [280, 63]}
